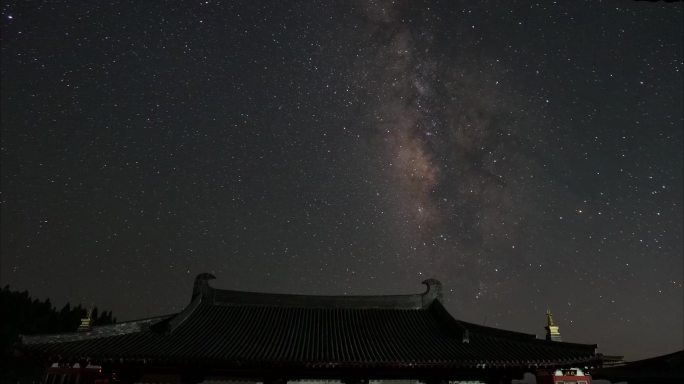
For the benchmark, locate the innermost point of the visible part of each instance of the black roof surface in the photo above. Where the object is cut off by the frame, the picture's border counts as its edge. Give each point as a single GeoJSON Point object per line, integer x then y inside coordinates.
{"type": "Point", "coordinates": [243, 329]}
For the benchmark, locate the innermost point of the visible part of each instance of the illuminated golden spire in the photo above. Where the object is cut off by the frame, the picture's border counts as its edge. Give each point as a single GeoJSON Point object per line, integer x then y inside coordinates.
{"type": "Point", "coordinates": [86, 322]}
{"type": "Point", "coordinates": [549, 318]}
{"type": "Point", "coordinates": [551, 328]}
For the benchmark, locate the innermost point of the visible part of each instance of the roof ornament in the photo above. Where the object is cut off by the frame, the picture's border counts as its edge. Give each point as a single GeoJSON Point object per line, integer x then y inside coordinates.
{"type": "Point", "coordinates": [434, 291]}
{"type": "Point", "coordinates": [552, 332]}
{"type": "Point", "coordinates": [549, 318]}
{"type": "Point", "coordinates": [86, 322]}
{"type": "Point", "coordinates": [202, 286]}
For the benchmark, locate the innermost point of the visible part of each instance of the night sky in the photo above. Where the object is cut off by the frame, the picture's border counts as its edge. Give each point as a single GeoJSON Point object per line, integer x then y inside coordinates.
{"type": "Point", "coordinates": [527, 155]}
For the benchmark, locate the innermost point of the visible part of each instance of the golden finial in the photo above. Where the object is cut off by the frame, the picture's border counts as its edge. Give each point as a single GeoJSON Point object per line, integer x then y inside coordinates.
{"type": "Point", "coordinates": [549, 318]}
{"type": "Point", "coordinates": [87, 322]}
{"type": "Point", "coordinates": [551, 328]}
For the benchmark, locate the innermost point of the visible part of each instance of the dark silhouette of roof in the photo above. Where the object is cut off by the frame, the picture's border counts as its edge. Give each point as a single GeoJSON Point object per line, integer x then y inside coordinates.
{"type": "Point", "coordinates": [660, 369]}
{"type": "Point", "coordinates": [236, 329]}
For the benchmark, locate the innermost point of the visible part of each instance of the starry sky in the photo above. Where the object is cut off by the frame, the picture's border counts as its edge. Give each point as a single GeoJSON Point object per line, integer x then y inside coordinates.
{"type": "Point", "coordinates": [526, 154]}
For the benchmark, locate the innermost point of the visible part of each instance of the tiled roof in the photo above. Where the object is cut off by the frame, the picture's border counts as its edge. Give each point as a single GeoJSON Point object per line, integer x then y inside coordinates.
{"type": "Point", "coordinates": [660, 369]}
{"type": "Point", "coordinates": [242, 329]}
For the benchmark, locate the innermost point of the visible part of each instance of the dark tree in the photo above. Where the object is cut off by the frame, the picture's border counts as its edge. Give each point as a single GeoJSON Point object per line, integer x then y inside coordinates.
{"type": "Point", "coordinates": [22, 315]}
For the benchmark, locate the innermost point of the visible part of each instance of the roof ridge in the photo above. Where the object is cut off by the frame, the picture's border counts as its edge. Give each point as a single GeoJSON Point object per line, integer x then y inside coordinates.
{"type": "Point", "coordinates": [217, 296]}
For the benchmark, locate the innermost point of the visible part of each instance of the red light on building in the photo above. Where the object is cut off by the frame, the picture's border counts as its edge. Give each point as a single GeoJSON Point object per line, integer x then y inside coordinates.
{"type": "Point", "coordinates": [564, 376]}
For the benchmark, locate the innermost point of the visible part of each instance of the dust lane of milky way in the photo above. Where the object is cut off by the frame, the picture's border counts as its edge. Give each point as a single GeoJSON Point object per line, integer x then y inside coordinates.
{"type": "Point", "coordinates": [453, 153]}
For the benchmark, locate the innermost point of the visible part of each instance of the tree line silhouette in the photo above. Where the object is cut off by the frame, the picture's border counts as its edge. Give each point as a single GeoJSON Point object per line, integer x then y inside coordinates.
{"type": "Point", "coordinates": [21, 314]}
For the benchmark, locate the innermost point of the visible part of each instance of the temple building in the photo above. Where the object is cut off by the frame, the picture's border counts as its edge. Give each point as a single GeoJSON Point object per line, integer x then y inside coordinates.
{"type": "Point", "coordinates": [259, 337]}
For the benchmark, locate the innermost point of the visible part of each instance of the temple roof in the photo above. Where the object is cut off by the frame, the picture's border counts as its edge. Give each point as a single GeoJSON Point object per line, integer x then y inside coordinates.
{"type": "Point", "coordinates": [236, 329]}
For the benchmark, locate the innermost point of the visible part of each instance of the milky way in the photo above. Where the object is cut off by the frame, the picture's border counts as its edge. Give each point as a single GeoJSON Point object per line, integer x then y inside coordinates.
{"type": "Point", "coordinates": [450, 142]}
